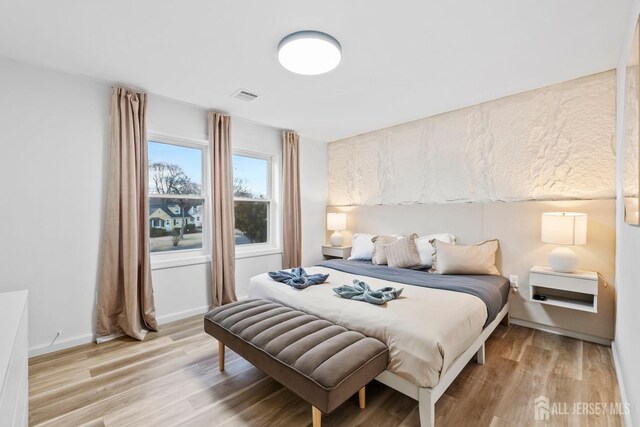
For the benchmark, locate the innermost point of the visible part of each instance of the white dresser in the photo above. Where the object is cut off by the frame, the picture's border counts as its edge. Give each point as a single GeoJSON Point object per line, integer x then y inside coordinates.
{"type": "Point", "coordinates": [14, 360]}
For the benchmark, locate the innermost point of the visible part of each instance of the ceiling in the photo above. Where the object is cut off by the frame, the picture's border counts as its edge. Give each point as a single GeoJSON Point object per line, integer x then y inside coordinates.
{"type": "Point", "coordinates": [402, 60]}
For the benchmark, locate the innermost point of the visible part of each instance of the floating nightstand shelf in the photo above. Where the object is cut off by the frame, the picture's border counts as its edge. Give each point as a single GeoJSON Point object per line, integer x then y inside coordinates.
{"type": "Point", "coordinates": [575, 291]}
{"type": "Point", "coordinates": [342, 252]}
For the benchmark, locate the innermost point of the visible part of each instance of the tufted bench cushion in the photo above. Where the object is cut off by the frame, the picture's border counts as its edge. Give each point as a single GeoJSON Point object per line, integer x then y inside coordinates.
{"type": "Point", "coordinates": [321, 362]}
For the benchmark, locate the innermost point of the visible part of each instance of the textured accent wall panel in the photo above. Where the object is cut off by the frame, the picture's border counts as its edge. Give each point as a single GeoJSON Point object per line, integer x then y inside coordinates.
{"type": "Point", "coordinates": [547, 144]}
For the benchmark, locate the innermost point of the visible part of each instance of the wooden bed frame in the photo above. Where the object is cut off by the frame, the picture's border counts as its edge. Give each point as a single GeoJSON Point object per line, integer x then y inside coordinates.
{"type": "Point", "coordinates": [427, 397]}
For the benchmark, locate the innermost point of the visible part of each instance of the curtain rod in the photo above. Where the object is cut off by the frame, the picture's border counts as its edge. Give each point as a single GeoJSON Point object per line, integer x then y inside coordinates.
{"type": "Point", "coordinates": [135, 89]}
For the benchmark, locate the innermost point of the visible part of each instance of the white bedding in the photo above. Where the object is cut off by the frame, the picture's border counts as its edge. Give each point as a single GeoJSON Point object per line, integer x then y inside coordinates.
{"type": "Point", "coordinates": [425, 329]}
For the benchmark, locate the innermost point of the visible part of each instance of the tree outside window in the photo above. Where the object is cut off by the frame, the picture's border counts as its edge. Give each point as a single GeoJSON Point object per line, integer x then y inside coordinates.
{"type": "Point", "coordinates": [252, 199]}
{"type": "Point", "coordinates": [176, 197]}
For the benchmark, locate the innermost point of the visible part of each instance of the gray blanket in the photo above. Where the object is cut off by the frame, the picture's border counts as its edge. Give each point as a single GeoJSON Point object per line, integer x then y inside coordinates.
{"type": "Point", "coordinates": [298, 278]}
{"type": "Point", "coordinates": [492, 290]}
{"type": "Point", "coordinates": [361, 291]}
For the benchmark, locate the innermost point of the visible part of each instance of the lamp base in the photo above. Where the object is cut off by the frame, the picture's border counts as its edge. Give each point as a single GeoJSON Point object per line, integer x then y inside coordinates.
{"type": "Point", "coordinates": [336, 239]}
{"type": "Point", "coordinates": [563, 260]}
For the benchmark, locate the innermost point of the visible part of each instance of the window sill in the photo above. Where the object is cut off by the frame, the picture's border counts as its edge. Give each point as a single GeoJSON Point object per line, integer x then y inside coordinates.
{"type": "Point", "coordinates": [182, 261]}
{"type": "Point", "coordinates": [252, 253]}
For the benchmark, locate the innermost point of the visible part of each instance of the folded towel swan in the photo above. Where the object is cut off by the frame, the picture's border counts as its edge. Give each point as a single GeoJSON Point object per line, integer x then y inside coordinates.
{"type": "Point", "coordinates": [360, 291]}
{"type": "Point", "coordinates": [298, 278]}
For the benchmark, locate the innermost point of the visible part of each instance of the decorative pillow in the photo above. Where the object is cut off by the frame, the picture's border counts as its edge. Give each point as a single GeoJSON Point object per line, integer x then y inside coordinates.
{"type": "Point", "coordinates": [379, 255]}
{"type": "Point", "coordinates": [426, 249]}
{"type": "Point", "coordinates": [465, 259]}
{"type": "Point", "coordinates": [403, 252]}
{"type": "Point", "coordinates": [361, 247]}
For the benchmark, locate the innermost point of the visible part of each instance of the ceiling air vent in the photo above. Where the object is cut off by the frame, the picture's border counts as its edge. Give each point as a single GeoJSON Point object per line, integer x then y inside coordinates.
{"type": "Point", "coordinates": [244, 95]}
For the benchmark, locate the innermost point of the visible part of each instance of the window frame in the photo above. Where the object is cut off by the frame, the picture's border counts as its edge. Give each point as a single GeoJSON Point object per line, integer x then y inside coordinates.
{"type": "Point", "coordinates": [182, 257]}
{"type": "Point", "coordinates": [273, 243]}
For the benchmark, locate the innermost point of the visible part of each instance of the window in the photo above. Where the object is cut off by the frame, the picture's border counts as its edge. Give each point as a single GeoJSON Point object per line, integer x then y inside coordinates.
{"type": "Point", "coordinates": [252, 198]}
{"type": "Point", "coordinates": [176, 193]}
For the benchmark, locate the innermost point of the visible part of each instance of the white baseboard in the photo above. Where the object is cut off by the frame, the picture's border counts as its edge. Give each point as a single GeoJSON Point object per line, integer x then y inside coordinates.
{"type": "Point", "coordinates": [108, 338]}
{"type": "Point", "coordinates": [182, 314]}
{"type": "Point", "coordinates": [188, 313]}
{"type": "Point", "coordinates": [61, 344]}
{"type": "Point", "coordinates": [88, 338]}
{"type": "Point", "coordinates": [623, 392]}
{"type": "Point", "coordinates": [560, 331]}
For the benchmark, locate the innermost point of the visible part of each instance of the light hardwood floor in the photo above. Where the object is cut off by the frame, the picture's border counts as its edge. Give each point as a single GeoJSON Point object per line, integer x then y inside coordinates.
{"type": "Point", "coordinates": [172, 378]}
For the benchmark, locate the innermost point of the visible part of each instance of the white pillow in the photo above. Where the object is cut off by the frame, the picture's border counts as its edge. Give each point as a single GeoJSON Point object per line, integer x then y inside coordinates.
{"type": "Point", "coordinates": [361, 247]}
{"type": "Point", "coordinates": [426, 250]}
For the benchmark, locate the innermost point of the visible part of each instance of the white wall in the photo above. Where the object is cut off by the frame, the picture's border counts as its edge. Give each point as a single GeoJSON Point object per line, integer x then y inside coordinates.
{"type": "Point", "coordinates": [627, 344]}
{"type": "Point", "coordinates": [552, 143]}
{"type": "Point", "coordinates": [313, 182]}
{"type": "Point", "coordinates": [53, 130]}
{"type": "Point", "coordinates": [53, 140]}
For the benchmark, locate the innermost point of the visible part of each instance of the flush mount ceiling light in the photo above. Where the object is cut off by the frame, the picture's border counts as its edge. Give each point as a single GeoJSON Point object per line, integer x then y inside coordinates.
{"type": "Point", "coordinates": [309, 53]}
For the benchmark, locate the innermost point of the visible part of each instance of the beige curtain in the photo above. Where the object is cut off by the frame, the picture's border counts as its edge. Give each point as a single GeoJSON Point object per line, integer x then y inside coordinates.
{"type": "Point", "coordinates": [291, 222]}
{"type": "Point", "coordinates": [223, 248]}
{"type": "Point", "coordinates": [125, 295]}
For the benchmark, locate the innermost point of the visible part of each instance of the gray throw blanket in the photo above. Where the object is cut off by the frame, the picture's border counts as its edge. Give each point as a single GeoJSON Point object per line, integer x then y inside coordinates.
{"type": "Point", "coordinates": [298, 278]}
{"type": "Point", "coordinates": [360, 291]}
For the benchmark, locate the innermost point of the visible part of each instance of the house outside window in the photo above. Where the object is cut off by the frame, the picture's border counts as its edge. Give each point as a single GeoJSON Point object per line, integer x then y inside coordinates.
{"type": "Point", "coordinates": [177, 190]}
{"type": "Point", "coordinates": [254, 203]}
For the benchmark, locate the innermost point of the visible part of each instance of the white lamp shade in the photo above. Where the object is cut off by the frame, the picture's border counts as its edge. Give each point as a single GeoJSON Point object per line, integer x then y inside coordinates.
{"type": "Point", "coordinates": [336, 221]}
{"type": "Point", "coordinates": [564, 228]}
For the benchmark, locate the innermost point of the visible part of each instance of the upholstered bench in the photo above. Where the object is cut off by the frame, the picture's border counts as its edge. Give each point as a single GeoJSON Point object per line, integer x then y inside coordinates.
{"type": "Point", "coordinates": [321, 362]}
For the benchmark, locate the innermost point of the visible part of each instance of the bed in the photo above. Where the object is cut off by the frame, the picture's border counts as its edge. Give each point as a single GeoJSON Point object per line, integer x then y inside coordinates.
{"type": "Point", "coordinates": [432, 331]}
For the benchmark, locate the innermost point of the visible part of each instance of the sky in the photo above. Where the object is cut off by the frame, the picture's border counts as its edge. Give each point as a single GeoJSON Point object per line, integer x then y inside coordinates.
{"type": "Point", "coordinates": [253, 171]}
{"type": "Point", "coordinates": [189, 159]}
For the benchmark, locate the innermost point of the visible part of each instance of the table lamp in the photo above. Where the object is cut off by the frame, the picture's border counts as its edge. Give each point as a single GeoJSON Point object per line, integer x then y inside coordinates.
{"type": "Point", "coordinates": [564, 228]}
{"type": "Point", "coordinates": [336, 222]}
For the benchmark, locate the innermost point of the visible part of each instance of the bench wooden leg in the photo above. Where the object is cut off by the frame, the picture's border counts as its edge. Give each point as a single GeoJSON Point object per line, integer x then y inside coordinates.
{"type": "Point", "coordinates": [316, 416]}
{"type": "Point", "coordinates": [220, 356]}
{"type": "Point", "coordinates": [361, 398]}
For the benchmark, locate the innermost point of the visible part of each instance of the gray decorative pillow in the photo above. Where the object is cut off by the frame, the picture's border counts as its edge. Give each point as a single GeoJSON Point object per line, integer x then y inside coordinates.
{"type": "Point", "coordinates": [403, 253]}
{"type": "Point", "coordinates": [465, 259]}
{"type": "Point", "coordinates": [379, 255]}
